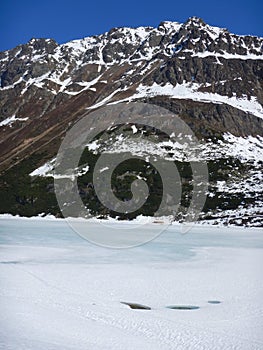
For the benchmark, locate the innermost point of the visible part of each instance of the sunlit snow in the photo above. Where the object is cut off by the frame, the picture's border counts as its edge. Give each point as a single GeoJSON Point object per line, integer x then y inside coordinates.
{"type": "Point", "coordinates": [60, 292]}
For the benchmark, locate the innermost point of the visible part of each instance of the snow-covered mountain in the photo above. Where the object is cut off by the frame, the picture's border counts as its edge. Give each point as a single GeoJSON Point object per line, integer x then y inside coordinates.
{"type": "Point", "coordinates": [210, 78]}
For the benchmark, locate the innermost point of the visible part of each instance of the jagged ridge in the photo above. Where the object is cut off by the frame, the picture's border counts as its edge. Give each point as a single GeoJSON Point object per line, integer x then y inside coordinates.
{"type": "Point", "coordinates": [209, 77]}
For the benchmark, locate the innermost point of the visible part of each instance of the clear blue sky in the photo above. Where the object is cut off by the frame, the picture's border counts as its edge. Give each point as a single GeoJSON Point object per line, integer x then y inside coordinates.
{"type": "Point", "coordinates": [72, 19]}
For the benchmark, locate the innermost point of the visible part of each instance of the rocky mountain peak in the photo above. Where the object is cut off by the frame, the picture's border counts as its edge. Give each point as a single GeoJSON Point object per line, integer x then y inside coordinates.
{"type": "Point", "coordinates": [210, 78]}
{"type": "Point", "coordinates": [195, 36]}
{"type": "Point", "coordinates": [195, 21]}
{"type": "Point", "coordinates": [39, 44]}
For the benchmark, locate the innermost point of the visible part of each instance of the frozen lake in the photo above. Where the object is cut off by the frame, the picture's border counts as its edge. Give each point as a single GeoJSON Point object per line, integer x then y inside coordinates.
{"type": "Point", "coordinates": [59, 291]}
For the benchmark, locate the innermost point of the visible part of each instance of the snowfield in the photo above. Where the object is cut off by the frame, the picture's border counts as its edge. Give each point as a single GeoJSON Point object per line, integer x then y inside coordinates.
{"type": "Point", "coordinates": [58, 291]}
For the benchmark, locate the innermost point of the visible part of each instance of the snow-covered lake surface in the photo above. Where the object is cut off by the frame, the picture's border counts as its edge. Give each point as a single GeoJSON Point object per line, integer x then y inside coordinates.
{"type": "Point", "coordinates": [59, 292]}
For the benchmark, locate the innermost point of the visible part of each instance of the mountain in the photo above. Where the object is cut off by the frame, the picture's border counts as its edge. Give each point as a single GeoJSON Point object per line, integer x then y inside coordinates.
{"type": "Point", "coordinates": [210, 78]}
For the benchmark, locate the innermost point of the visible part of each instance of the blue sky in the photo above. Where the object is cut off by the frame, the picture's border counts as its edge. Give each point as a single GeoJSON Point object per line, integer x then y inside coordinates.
{"type": "Point", "coordinates": [72, 19]}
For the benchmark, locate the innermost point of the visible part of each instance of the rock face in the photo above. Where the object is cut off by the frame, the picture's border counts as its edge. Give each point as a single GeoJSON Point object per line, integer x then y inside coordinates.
{"type": "Point", "coordinates": [210, 78]}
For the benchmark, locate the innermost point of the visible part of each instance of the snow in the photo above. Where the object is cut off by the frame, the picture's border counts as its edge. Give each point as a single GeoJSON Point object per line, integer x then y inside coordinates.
{"type": "Point", "coordinates": [76, 54]}
{"type": "Point", "coordinates": [104, 101]}
{"type": "Point", "coordinates": [10, 120]}
{"type": "Point", "coordinates": [39, 82]}
{"type": "Point", "coordinates": [45, 169]}
{"type": "Point", "coordinates": [170, 26]}
{"type": "Point", "coordinates": [93, 146]}
{"type": "Point", "coordinates": [60, 292]}
{"type": "Point", "coordinates": [64, 84]}
{"type": "Point", "coordinates": [11, 86]}
{"type": "Point", "coordinates": [104, 169]}
{"type": "Point", "coordinates": [212, 31]}
{"type": "Point", "coordinates": [247, 150]}
{"type": "Point", "coordinates": [134, 129]}
{"type": "Point", "coordinates": [190, 91]}
{"type": "Point", "coordinates": [87, 85]}
{"type": "Point", "coordinates": [224, 218]}
{"type": "Point", "coordinates": [37, 57]}
{"type": "Point", "coordinates": [227, 55]}
{"type": "Point", "coordinates": [244, 148]}
{"type": "Point", "coordinates": [83, 170]}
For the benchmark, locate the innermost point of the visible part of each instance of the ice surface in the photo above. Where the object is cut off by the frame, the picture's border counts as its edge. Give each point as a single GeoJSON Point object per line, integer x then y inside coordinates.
{"type": "Point", "coordinates": [60, 292]}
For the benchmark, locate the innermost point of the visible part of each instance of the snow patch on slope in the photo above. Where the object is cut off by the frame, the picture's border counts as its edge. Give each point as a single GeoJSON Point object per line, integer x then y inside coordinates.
{"type": "Point", "coordinates": [190, 91]}
{"type": "Point", "coordinates": [45, 169]}
{"type": "Point", "coordinates": [48, 170]}
{"type": "Point", "coordinates": [10, 120]}
{"type": "Point", "coordinates": [227, 55]}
